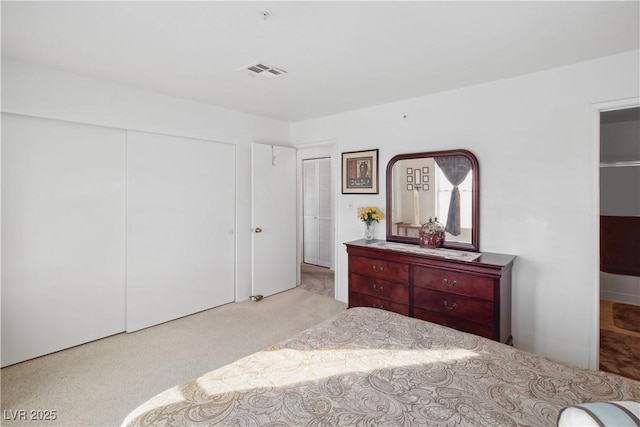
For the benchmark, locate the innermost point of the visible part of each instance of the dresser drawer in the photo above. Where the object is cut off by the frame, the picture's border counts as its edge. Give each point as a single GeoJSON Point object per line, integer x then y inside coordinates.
{"type": "Point", "coordinates": [457, 283]}
{"type": "Point", "coordinates": [396, 292]}
{"type": "Point", "coordinates": [379, 269]}
{"type": "Point", "coordinates": [361, 300]}
{"type": "Point", "coordinates": [454, 305]}
{"type": "Point", "coordinates": [483, 330]}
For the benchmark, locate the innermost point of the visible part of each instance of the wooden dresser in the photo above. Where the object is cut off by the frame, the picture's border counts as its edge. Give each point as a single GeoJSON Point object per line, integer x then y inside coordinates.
{"type": "Point", "coordinates": [472, 296]}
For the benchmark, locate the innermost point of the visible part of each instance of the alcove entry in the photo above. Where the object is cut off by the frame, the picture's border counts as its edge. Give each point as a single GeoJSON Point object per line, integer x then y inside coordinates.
{"type": "Point", "coordinates": [317, 211]}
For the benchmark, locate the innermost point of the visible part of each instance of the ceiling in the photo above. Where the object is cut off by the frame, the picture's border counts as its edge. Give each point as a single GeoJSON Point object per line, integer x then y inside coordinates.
{"type": "Point", "coordinates": [338, 56]}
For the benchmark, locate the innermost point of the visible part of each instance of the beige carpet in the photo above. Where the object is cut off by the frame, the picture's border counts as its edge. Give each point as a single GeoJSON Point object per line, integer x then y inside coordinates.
{"type": "Point", "coordinates": [319, 280]}
{"type": "Point", "coordinates": [99, 383]}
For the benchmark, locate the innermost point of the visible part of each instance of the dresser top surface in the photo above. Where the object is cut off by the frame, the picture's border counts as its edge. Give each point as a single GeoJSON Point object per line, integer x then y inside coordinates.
{"type": "Point", "coordinates": [450, 255]}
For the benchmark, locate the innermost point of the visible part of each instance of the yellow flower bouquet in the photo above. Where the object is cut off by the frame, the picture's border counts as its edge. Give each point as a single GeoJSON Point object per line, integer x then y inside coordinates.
{"type": "Point", "coordinates": [369, 214]}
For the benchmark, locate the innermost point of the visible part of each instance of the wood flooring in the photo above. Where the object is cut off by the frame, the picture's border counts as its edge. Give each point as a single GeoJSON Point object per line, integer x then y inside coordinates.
{"type": "Point", "coordinates": [619, 348]}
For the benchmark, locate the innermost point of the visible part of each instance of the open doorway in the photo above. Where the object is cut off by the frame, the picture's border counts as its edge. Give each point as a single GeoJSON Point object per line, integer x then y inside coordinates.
{"type": "Point", "coordinates": [317, 230]}
{"type": "Point", "coordinates": [619, 350]}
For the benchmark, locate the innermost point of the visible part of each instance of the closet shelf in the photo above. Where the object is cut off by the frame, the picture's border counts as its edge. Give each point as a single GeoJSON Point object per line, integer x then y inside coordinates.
{"type": "Point", "coordinates": [628, 163]}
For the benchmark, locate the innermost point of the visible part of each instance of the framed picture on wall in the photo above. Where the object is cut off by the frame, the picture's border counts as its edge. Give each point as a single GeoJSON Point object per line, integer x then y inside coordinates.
{"type": "Point", "coordinates": [360, 172]}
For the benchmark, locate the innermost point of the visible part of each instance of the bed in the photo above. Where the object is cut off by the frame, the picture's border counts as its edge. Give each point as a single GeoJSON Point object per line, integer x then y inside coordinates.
{"type": "Point", "coordinates": [368, 366]}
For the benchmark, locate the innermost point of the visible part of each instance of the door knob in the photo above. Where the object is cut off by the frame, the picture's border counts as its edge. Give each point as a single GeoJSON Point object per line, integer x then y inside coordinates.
{"type": "Point", "coordinates": [258, 230]}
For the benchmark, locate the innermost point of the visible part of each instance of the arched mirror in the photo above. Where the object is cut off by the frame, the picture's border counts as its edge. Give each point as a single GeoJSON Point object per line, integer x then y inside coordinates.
{"type": "Point", "coordinates": [438, 184]}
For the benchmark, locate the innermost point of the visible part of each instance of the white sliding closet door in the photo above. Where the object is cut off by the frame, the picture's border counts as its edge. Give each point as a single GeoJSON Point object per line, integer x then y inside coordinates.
{"type": "Point", "coordinates": [180, 227]}
{"type": "Point", "coordinates": [63, 235]}
{"type": "Point", "coordinates": [317, 211]}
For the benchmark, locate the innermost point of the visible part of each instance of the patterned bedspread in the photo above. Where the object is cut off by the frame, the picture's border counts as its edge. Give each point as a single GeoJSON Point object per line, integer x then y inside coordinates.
{"type": "Point", "coordinates": [373, 367]}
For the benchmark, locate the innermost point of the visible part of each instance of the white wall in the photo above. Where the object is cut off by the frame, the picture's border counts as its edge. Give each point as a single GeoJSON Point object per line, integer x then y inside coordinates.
{"type": "Point", "coordinates": [619, 141]}
{"type": "Point", "coordinates": [620, 287]}
{"type": "Point", "coordinates": [533, 139]}
{"type": "Point", "coordinates": [32, 90]}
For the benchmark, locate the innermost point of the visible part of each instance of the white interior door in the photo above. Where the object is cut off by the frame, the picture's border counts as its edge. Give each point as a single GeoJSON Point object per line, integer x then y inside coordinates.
{"type": "Point", "coordinates": [273, 219]}
{"type": "Point", "coordinates": [180, 227]}
{"type": "Point", "coordinates": [317, 211]}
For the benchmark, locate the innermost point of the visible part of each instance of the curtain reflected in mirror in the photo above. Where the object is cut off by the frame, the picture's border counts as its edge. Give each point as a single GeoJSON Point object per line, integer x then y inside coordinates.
{"type": "Point", "coordinates": [455, 169]}
{"type": "Point", "coordinates": [440, 185]}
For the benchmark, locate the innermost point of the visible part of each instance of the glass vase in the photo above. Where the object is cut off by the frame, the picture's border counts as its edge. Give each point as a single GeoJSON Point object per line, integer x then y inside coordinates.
{"type": "Point", "coordinates": [368, 230]}
{"type": "Point", "coordinates": [432, 234]}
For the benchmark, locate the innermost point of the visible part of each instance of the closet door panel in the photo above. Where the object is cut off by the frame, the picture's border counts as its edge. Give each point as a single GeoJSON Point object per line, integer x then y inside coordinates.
{"type": "Point", "coordinates": [311, 224]}
{"type": "Point", "coordinates": [317, 211]}
{"type": "Point", "coordinates": [63, 235]}
{"type": "Point", "coordinates": [180, 227]}
{"type": "Point", "coordinates": [324, 213]}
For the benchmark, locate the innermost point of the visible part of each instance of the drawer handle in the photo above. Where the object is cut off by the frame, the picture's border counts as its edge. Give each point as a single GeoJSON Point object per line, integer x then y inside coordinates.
{"type": "Point", "coordinates": [377, 288]}
{"type": "Point", "coordinates": [378, 306]}
{"type": "Point", "coordinates": [447, 283]}
{"type": "Point", "coordinates": [378, 269]}
{"type": "Point", "coordinates": [452, 306]}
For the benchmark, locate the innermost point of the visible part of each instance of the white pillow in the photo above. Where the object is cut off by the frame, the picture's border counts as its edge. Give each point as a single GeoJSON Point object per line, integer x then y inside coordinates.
{"type": "Point", "coordinates": [618, 414]}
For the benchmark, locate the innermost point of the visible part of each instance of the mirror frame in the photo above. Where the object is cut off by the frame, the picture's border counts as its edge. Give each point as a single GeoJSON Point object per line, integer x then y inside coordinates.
{"type": "Point", "coordinates": [473, 246]}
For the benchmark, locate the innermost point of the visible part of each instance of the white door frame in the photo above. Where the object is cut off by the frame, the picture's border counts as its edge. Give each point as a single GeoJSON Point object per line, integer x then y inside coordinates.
{"type": "Point", "coordinates": [313, 151]}
{"type": "Point", "coordinates": [594, 241]}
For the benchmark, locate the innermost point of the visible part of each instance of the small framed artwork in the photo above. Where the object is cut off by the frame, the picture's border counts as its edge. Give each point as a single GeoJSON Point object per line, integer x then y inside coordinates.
{"type": "Point", "coordinates": [409, 187]}
{"type": "Point", "coordinates": [425, 187]}
{"type": "Point", "coordinates": [360, 172]}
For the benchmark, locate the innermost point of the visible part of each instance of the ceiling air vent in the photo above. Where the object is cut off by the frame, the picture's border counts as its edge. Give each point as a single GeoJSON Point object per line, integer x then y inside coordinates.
{"type": "Point", "coordinates": [263, 70]}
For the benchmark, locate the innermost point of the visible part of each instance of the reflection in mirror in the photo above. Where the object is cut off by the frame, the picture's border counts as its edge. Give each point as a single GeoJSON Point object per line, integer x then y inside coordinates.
{"type": "Point", "coordinates": [439, 185]}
